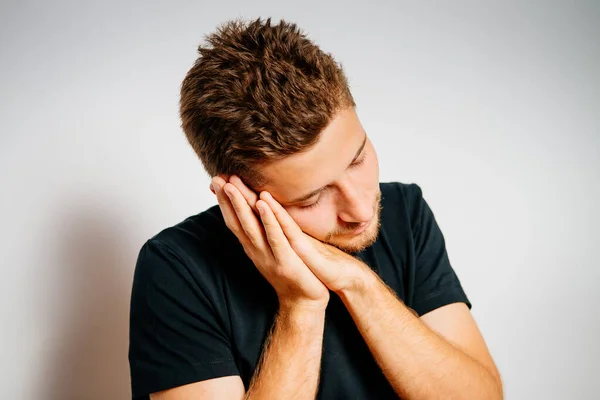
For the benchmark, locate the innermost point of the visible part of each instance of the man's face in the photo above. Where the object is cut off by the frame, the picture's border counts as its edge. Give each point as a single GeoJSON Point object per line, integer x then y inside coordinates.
{"type": "Point", "coordinates": [341, 175]}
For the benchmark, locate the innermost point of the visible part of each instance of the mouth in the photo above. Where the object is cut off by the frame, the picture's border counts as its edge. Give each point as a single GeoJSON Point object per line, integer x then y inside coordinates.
{"type": "Point", "coordinates": [360, 229]}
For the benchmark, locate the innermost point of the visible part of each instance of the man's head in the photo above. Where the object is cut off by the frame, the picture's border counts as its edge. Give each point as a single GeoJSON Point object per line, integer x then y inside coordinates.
{"type": "Point", "coordinates": [265, 103]}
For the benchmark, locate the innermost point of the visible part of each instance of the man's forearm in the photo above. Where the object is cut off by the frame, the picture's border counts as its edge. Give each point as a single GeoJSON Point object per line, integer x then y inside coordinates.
{"type": "Point", "coordinates": [289, 367]}
{"type": "Point", "coordinates": [418, 363]}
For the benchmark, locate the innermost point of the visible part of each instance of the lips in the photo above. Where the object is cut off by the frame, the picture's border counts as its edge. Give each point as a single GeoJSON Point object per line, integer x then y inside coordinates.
{"type": "Point", "coordinates": [360, 229]}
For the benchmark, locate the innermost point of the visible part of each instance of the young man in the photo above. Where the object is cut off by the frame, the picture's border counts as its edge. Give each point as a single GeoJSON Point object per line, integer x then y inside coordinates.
{"type": "Point", "coordinates": [310, 279]}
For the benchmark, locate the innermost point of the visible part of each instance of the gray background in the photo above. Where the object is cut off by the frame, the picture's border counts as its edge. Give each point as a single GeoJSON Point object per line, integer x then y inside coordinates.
{"type": "Point", "coordinates": [491, 107]}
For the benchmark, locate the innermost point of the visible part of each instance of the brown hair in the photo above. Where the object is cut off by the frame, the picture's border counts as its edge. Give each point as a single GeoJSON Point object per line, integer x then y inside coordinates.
{"type": "Point", "coordinates": [258, 93]}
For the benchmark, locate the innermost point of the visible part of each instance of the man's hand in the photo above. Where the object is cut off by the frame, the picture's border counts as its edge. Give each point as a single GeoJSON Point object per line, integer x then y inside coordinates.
{"type": "Point", "coordinates": [266, 245]}
{"type": "Point", "coordinates": [333, 267]}
{"type": "Point", "coordinates": [337, 269]}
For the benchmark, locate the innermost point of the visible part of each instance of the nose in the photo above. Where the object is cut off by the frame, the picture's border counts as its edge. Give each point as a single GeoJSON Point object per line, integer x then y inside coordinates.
{"type": "Point", "coordinates": [355, 205]}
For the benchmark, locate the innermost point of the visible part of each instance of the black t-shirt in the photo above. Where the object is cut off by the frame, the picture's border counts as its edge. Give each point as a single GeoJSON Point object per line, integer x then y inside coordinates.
{"type": "Point", "coordinates": [200, 309]}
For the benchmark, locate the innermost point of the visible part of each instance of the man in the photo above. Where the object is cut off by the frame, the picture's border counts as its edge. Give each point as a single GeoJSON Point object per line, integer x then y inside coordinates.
{"type": "Point", "coordinates": [310, 279]}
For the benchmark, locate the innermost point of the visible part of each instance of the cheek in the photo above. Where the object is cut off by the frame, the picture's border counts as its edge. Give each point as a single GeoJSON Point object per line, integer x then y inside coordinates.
{"type": "Point", "coordinates": [315, 222]}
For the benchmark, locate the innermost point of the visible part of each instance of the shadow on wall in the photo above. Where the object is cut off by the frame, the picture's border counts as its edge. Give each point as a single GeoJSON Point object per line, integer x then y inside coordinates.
{"type": "Point", "coordinates": [92, 289]}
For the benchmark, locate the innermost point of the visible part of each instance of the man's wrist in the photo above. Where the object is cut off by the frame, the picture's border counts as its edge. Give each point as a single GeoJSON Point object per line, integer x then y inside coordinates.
{"type": "Point", "coordinates": [363, 279]}
{"type": "Point", "coordinates": [301, 321]}
{"type": "Point", "coordinates": [301, 312]}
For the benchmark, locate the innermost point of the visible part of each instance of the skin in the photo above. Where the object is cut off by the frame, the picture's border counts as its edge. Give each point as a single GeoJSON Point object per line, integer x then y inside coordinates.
{"type": "Point", "coordinates": [306, 252]}
{"type": "Point", "coordinates": [343, 166]}
{"type": "Point", "coordinates": [351, 197]}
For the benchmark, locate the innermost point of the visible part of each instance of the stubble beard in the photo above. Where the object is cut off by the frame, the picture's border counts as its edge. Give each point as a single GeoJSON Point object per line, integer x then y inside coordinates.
{"type": "Point", "coordinates": [362, 240]}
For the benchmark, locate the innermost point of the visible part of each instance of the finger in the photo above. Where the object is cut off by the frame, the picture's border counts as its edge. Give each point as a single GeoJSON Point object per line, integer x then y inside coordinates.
{"type": "Point", "coordinates": [250, 196]}
{"type": "Point", "coordinates": [275, 236]}
{"type": "Point", "coordinates": [229, 214]}
{"type": "Point", "coordinates": [301, 243]}
{"type": "Point", "coordinates": [290, 228]}
{"type": "Point", "coordinates": [225, 204]}
{"type": "Point", "coordinates": [218, 178]}
{"type": "Point", "coordinates": [249, 222]}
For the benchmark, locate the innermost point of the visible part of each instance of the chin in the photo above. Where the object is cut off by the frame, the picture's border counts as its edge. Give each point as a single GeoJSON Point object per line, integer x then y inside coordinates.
{"type": "Point", "coordinates": [354, 244]}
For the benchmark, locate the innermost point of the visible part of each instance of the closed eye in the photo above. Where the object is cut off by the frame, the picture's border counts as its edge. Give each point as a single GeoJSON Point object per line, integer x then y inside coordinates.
{"type": "Point", "coordinates": [316, 203]}
{"type": "Point", "coordinates": [354, 164]}
{"type": "Point", "coordinates": [359, 162]}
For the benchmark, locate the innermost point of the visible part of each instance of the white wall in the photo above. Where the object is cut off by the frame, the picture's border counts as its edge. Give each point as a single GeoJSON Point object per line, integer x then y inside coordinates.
{"type": "Point", "coordinates": [492, 107]}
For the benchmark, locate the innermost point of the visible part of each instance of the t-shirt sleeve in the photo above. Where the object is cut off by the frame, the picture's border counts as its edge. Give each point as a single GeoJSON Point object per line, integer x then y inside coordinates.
{"type": "Point", "coordinates": [436, 284]}
{"type": "Point", "coordinates": [176, 336]}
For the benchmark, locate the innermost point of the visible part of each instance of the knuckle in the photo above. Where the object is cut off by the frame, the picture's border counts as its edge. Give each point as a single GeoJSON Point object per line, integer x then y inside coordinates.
{"type": "Point", "coordinates": [275, 244]}
{"type": "Point", "coordinates": [271, 265]}
{"type": "Point", "coordinates": [253, 237]}
{"type": "Point", "coordinates": [249, 251]}
{"type": "Point", "coordinates": [233, 228]}
{"type": "Point", "coordinates": [279, 270]}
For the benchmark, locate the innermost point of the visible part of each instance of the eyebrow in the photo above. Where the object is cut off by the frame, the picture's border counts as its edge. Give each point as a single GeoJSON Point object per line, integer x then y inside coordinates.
{"type": "Point", "coordinates": [315, 192]}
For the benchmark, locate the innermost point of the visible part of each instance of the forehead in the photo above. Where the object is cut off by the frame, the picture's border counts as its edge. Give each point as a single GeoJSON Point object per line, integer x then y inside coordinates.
{"type": "Point", "coordinates": [301, 173]}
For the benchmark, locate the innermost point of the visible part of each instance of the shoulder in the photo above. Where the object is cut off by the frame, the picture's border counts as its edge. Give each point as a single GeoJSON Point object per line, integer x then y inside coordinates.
{"type": "Point", "coordinates": [404, 208]}
{"type": "Point", "coordinates": [192, 248]}
{"type": "Point", "coordinates": [401, 191]}
{"type": "Point", "coordinates": [402, 197]}
{"type": "Point", "coordinates": [179, 321]}
{"type": "Point", "coordinates": [206, 230]}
